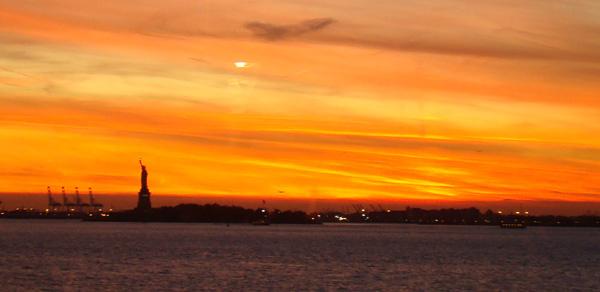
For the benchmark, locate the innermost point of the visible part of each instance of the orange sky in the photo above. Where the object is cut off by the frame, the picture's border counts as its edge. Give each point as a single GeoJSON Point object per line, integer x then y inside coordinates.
{"type": "Point", "coordinates": [442, 100]}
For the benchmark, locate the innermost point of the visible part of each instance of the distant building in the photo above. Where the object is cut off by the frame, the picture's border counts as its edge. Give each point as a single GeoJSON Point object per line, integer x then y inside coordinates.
{"type": "Point", "coordinates": [144, 194]}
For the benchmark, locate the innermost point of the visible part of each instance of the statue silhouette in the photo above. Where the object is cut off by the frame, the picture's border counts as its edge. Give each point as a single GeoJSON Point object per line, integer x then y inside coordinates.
{"type": "Point", "coordinates": [144, 194]}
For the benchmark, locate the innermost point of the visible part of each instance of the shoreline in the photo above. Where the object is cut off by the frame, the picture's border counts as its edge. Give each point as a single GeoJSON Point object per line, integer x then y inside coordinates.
{"type": "Point", "coordinates": [213, 213]}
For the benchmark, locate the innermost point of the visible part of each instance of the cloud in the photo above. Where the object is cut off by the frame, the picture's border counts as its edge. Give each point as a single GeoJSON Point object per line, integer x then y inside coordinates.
{"type": "Point", "coordinates": [274, 32]}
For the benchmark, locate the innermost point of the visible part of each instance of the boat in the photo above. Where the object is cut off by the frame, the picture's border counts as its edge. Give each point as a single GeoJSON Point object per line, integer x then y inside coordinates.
{"type": "Point", "coordinates": [513, 225]}
{"type": "Point", "coordinates": [261, 222]}
{"type": "Point", "coordinates": [264, 216]}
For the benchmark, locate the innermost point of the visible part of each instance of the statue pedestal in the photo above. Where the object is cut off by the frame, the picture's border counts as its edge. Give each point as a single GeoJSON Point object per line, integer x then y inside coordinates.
{"type": "Point", "coordinates": [144, 200]}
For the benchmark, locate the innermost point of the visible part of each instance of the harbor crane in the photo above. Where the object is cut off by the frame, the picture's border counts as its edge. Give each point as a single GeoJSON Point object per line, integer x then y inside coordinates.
{"type": "Point", "coordinates": [52, 204]}
{"type": "Point", "coordinates": [78, 202]}
{"type": "Point", "coordinates": [66, 203]}
{"type": "Point", "coordinates": [95, 205]}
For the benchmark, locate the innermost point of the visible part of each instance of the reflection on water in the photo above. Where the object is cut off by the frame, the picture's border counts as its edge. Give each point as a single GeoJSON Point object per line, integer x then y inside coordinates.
{"type": "Point", "coordinates": [77, 255]}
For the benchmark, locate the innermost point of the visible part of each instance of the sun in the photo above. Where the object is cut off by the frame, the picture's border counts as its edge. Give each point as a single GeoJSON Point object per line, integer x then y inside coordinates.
{"type": "Point", "coordinates": [240, 64]}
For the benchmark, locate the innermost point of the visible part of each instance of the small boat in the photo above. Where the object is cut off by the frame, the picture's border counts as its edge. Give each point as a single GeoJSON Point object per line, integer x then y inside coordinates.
{"type": "Point", "coordinates": [261, 222]}
{"type": "Point", "coordinates": [263, 214]}
{"type": "Point", "coordinates": [514, 225]}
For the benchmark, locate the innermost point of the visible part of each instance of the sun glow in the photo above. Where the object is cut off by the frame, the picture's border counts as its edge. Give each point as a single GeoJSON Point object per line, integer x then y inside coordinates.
{"type": "Point", "coordinates": [240, 64]}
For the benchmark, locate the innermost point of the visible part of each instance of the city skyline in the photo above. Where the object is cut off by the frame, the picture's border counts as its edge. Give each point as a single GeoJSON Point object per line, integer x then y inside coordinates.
{"type": "Point", "coordinates": [303, 100]}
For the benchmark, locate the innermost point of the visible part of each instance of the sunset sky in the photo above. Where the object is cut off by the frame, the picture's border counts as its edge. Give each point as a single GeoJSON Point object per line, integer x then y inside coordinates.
{"type": "Point", "coordinates": [417, 99]}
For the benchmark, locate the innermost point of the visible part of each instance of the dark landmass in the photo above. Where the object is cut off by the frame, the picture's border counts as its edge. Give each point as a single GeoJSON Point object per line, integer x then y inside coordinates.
{"type": "Point", "coordinates": [468, 216]}
{"type": "Point", "coordinates": [214, 213]}
{"type": "Point", "coordinates": [211, 213]}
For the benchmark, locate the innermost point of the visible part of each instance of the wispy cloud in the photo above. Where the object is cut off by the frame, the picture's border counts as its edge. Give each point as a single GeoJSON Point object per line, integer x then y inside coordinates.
{"type": "Point", "coordinates": [419, 99]}
{"type": "Point", "coordinates": [274, 32]}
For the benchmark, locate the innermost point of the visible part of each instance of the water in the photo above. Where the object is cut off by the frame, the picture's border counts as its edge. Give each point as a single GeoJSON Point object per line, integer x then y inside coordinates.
{"type": "Point", "coordinates": [74, 256]}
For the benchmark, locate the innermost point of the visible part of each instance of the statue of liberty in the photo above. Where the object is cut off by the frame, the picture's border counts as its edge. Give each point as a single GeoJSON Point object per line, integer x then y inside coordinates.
{"type": "Point", "coordinates": [144, 194]}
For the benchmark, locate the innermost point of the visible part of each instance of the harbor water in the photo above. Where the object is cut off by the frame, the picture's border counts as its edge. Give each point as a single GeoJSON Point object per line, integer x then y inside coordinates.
{"type": "Point", "coordinates": [71, 255]}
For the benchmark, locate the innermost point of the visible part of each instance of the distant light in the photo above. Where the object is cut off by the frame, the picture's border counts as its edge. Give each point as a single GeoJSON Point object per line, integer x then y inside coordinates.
{"type": "Point", "coordinates": [240, 64]}
{"type": "Point", "coordinates": [499, 212]}
{"type": "Point", "coordinates": [518, 212]}
{"type": "Point", "coordinates": [362, 210]}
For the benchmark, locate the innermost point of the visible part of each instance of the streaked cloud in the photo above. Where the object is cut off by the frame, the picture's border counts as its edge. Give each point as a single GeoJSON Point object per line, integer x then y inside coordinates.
{"type": "Point", "coordinates": [273, 32]}
{"type": "Point", "coordinates": [343, 99]}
